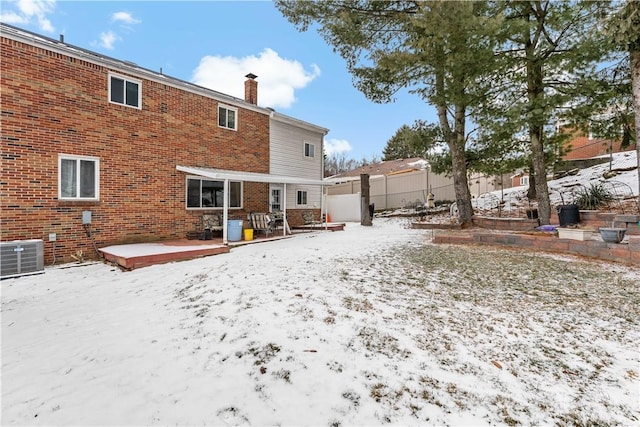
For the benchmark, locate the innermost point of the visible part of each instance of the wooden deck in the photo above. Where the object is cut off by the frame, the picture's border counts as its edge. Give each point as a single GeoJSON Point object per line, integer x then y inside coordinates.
{"type": "Point", "coordinates": [332, 226]}
{"type": "Point", "coordinates": [136, 255]}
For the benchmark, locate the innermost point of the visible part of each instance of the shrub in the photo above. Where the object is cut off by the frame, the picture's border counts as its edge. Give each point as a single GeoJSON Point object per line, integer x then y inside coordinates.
{"type": "Point", "coordinates": [593, 197]}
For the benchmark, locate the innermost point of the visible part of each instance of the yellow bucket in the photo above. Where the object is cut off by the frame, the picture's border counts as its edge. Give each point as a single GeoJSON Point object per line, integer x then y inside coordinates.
{"type": "Point", "coordinates": [248, 234]}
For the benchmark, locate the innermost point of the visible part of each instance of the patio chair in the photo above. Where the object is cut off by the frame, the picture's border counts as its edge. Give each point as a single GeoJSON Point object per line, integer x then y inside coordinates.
{"type": "Point", "coordinates": [260, 222]}
{"type": "Point", "coordinates": [309, 219]}
{"type": "Point", "coordinates": [210, 223]}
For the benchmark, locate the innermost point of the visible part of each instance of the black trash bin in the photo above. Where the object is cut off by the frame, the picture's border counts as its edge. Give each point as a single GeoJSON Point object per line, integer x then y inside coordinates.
{"type": "Point", "coordinates": [568, 215]}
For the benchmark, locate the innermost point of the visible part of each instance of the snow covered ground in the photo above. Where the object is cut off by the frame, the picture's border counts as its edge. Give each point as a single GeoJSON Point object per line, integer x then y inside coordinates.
{"type": "Point", "coordinates": [621, 182]}
{"type": "Point", "coordinates": [368, 326]}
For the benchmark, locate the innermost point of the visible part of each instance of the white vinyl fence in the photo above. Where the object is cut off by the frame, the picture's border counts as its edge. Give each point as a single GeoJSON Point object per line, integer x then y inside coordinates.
{"type": "Point", "coordinates": [399, 190]}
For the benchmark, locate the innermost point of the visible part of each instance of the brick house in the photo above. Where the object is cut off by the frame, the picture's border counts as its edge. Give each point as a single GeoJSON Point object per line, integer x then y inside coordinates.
{"type": "Point", "coordinates": [581, 146]}
{"type": "Point", "coordinates": [520, 178]}
{"type": "Point", "coordinates": [86, 137]}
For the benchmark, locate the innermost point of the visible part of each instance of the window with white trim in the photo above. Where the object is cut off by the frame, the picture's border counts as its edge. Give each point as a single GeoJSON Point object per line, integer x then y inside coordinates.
{"type": "Point", "coordinates": [125, 91]}
{"type": "Point", "coordinates": [309, 150]}
{"type": "Point", "coordinates": [301, 197]}
{"type": "Point", "coordinates": [78, 177]}
{"type": "Point", "coordinates": [227, 117]}
{"type": "Point", "coordinates": [207, 194]}
{"type": "Point", "coordinates": [524, 180]}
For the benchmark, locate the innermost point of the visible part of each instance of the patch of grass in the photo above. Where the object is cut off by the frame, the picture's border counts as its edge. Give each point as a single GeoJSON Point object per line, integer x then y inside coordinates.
{"type": "Point", "coordinates": [353, 397]}
{"type": "Point", "coordinates": [265, 354]}
{"type": "Point", "coordinates": [284, 374]}
{"type": "Point", "coordinates": [378, 391]}
{"type": "Point", "coordinates": [361, 305]}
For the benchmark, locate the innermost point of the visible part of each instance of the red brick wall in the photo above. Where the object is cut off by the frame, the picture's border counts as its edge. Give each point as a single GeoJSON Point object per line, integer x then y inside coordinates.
{"type": "Point", "coordinates": [581, 147]}
{"type": "Point", "coordinates": [54, 104]}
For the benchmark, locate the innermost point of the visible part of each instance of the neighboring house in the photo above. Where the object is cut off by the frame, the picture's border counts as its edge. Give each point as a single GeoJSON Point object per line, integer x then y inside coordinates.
{"type": "Point", "coordinates": [520, 178]}
{"type": "Point", "coordinates": [395, 183]}
{"type": "Point", "coordinates": [581, 146]}
{"type": "Point", "coordinates": [98, 151]}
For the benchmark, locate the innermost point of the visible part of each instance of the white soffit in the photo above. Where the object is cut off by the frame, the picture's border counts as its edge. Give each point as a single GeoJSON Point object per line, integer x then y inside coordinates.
{"type": "Point", "coordinates": [222, 174]}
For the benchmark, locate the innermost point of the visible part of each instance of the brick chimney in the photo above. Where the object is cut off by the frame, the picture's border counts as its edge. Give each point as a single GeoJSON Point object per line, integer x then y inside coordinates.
{"type": "Point", "coordinates": [251, 89]}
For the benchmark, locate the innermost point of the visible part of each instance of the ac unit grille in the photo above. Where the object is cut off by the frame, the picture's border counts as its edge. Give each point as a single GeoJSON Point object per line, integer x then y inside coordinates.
{"type": "Point", "coordinates": [21, 257]}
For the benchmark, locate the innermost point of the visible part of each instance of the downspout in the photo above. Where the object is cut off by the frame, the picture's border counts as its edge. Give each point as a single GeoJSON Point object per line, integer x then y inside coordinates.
{"type": "Point", "coordinates": [386, 192]}
{"type": "Point", "coordinates": [284, 209]}
{"type": "Point", "coordinates": [322, 207]}
{"type": "Point", "coordinates": [225, 211]}
{"type": "Point", "coordinates": [427, 170]}
{"type": "Point", "coordinates": [326, 207]}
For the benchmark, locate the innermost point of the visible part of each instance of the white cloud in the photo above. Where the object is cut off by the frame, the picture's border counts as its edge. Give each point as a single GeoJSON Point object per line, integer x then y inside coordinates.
{"type": "Point", "coordinates": [12, 17]}
{"type": "Point", "coordinates": [108, 39]}
{"type": "Point", "coordinates": [335, 146]}
{"type": "Point", "coordinates": [28, 10]}
{"type": "Point", "coordinates": [125, 18]}
{"type": "Point", "coordinates": [278, 78]}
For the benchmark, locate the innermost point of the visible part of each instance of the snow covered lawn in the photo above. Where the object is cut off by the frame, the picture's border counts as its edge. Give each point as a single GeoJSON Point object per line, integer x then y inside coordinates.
{"type": "Point", "coordinates": [369, 326]}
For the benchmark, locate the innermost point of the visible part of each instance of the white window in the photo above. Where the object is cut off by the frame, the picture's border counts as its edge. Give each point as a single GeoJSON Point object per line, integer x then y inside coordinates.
{"type": "Point", "coordinates": [206, 194]}
{"type": "Point", "coordinates": [125, 91]}
{"type": "Point", "coordinates": [227, 117]}
{"type": "Point", "coordinates": [524, 180]}
{"type": "Point", "coordinates": [301, 197]}
{"type": "Point", "coordinates": [78, 177]}
{"type": "Point", "coordinates": [309, 150]}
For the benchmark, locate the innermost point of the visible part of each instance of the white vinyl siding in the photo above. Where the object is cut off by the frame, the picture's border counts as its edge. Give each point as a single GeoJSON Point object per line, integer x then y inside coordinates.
{"type": "Point", "coordinates": [286, 157]}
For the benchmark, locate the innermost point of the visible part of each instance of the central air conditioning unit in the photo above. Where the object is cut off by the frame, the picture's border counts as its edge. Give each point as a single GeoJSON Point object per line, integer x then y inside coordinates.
{"type": "Point", "coordinates": [21, 257]}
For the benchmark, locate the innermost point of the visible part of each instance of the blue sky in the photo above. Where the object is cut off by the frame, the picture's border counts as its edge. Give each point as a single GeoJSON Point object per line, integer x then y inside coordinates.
{"type": "Point", "coordinates": [215, 44]}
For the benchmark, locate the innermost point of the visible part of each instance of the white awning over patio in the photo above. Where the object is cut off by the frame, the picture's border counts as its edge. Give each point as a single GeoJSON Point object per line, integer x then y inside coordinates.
{"type": "Point", "coordinates": [222, 174]}
{"type": "Point", "coordinates": [228, 175]}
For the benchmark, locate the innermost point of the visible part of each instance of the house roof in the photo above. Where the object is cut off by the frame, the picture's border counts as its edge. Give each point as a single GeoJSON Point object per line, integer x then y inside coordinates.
{"type": "Point", "coordinates": [62, 47]}
{"type": "Point", "coordinates": [223, 174]}
{"type": "Point", "coordinates": [282, 118]}
{"type": "Point", "coordinates": [388, 167]}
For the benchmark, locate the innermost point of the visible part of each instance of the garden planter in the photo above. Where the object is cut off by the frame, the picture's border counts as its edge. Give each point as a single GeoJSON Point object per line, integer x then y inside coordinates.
{"type": "Point", "coordinates": [568, 215]}
{"type": "Point", "coordinates": [575, 233]}
{"type": "Point", "coordinates": [612, 234]}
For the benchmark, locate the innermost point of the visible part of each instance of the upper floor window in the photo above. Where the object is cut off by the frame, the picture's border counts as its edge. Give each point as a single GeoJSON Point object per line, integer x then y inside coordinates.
{"type": "Point", "coordinates": [78, 177]}
{"type": "Point", "coordinates": [309, 150]}
{"type": "Point", "coordinates": [227, 117]}
{"type": "Point", "coordinates": [125, 91]}
{"type": "Point", "coordinates": [204, 193]}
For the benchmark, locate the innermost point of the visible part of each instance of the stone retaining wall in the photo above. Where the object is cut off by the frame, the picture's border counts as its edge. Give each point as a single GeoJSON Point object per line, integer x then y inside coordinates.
{"type": "Point", "coordinates": [627, 252]}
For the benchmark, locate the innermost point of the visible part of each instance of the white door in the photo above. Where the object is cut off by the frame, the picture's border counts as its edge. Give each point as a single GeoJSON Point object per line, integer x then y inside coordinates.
{"type": "Point", "coordinates": [275, 199]}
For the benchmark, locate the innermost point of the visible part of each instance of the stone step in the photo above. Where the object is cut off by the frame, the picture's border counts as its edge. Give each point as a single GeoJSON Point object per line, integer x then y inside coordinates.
{"type": "Point", "coordinates": [634, 219]}
{"type": "Point", "coordinates": [632, 227]}
{"type": "Point", "coordinates": [630, 222]}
